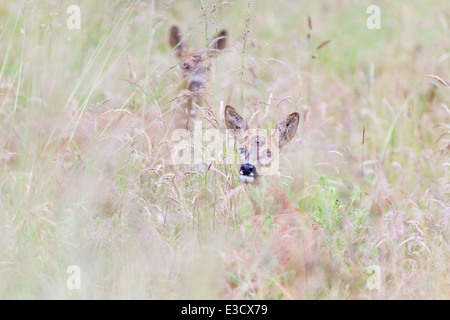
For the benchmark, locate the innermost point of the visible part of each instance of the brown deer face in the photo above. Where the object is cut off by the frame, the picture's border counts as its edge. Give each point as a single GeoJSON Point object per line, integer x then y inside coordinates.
{"type": "Point", "coordinates": [195, 63]}
{"type": "Point", "coordinates": [257, 149]}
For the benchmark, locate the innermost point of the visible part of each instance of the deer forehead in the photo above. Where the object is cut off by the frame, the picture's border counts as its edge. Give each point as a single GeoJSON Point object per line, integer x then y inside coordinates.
{"type": "Point", "coordinates": [258, 142]}
{"type": "Point", "coordinates": [256, 149]}
{"type": "Point", "coordinates": [195, 56]}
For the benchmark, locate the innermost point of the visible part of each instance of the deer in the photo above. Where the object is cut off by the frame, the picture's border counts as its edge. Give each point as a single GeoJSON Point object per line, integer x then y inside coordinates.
{"type": "Point", "coordinates": [195, 66]}
{"type": "Point", "coordinates": [277, 227]}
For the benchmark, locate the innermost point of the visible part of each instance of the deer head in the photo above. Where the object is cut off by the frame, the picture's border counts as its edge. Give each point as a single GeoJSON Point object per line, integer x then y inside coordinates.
{"type": "Point", "coordinates": [195, 63]}
{"type": "Point", "coordinates": [257, 151]}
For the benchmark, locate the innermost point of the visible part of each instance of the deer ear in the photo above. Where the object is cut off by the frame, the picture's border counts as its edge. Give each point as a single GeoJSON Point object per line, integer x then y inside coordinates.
{"type": "Point", "coordinates": [234, 121]}
{"type": "Point", "coordinates": [288, 128]}
{"type": "Point", "coordinates": [219, 42]}
{"type": "Point", "coordinates": [176, 41]}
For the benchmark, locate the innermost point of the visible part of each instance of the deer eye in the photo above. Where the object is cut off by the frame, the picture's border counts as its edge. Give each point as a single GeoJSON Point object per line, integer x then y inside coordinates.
{"type": "Point", "coordinates": [241, 150]}
{"type": "Point", "coordinates": [269, 153]}
{"type": "Point", "coordinates": [185, 66]}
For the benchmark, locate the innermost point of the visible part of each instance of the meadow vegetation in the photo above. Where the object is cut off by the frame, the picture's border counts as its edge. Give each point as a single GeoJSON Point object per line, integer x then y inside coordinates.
{"type": "Point", "coordinates": [370, 158]}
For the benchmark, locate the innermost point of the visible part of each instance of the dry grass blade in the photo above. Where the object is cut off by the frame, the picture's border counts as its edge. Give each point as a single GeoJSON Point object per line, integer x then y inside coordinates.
{"type": "Point", "coordinates": [438, 79]}
{"type": "Point", "coordinates": [323, 44]}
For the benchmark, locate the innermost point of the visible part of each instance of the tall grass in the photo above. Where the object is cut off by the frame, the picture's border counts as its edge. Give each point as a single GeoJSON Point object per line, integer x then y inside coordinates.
{"type": "Point", "coordinates": [140, 228]}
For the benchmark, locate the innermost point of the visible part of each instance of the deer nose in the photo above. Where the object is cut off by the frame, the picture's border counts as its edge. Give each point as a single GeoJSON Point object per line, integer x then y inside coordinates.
{"type": "Point", "coordinates": [248, 169]}
{"type": "Point", "coordinates": [195, 85]}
